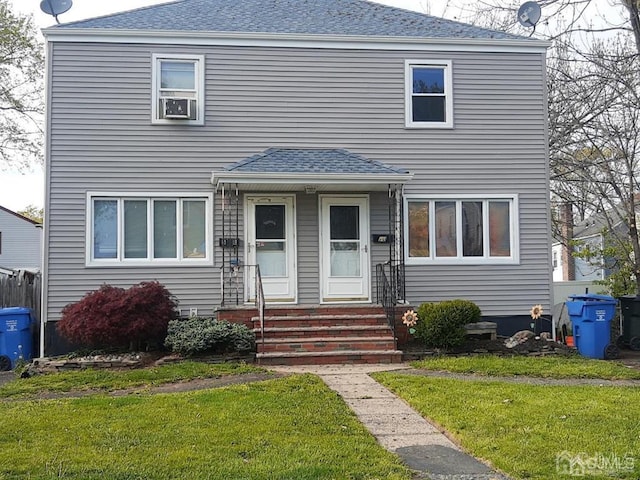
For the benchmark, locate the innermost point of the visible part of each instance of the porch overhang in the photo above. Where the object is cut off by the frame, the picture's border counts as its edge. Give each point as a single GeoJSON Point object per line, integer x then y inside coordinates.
{"type": "Point", "coordinates": [310, 170]}
{"type": "Point", "coordinates": [310, 183]}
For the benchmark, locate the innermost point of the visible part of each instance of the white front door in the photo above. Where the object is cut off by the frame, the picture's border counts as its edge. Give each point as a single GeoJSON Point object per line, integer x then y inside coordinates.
{"type": "Point", "coordinates": [344, 248]}
{"type": "Point", "coordinates": [271, 244]}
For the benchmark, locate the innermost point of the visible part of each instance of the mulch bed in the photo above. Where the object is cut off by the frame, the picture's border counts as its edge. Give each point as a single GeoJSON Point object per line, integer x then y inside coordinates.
{"type": "Point", "coordinates": [484, 346]}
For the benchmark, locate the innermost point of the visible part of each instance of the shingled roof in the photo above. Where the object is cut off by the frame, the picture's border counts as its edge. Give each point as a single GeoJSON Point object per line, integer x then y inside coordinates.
{"type": "Point", "coordinates": [313, 160]}
{"type": "Point", "coordinates": [297, 167]}
{"type": "Point", "coordinates": [305, 17]}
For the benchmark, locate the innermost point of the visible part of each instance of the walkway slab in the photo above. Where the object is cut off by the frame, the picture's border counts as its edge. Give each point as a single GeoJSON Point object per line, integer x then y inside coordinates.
{"type": "Point", "coordinates": [396, 426]}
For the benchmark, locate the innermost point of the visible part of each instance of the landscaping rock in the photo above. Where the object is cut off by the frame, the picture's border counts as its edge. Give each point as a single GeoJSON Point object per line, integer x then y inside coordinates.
{"type": "Point", "coordinates": [519, 338]}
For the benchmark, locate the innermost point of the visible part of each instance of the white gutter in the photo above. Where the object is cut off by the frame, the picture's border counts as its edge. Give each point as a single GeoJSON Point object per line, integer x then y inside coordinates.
{"type": "Point", "coordinates": [300, 179]}
{"type": "Point", "coordinates": [353, 42]}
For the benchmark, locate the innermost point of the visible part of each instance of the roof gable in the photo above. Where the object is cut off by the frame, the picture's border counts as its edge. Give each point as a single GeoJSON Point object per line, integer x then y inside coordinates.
{"type": "Point", "coordinates": [306, 17]}
{"type": "Point", "coordinates": [21, 217]}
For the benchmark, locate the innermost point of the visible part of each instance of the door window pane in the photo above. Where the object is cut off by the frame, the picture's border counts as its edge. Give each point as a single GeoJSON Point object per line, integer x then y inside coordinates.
{"type": "Point", "coordinates": [193, 229]}
{"type": "Point", "coordinates": [345, 222]}
{"type": "Point", "coordinates": [271, 232]}
{"type": "Point", "coordinates": [472, 232]}
{"type": "Point", "coordinates": [445, 229]}
{"type": "Point", "coordinates": [419, 229]}
{"type": "Point", "coordinates": [499, 229]}
{"type": "Point", "coordinates": [270, 222]}
{"type": "Point", "coordinates": [272, 258]}
{"type": "Point", "coordinates": [135, 229]}
{"type": "Point", "coordinates": [345, 259]}
{"type": "Point", "coordinates": [105, 229]}
{"type": "Point", "coordinates": [164, 229]}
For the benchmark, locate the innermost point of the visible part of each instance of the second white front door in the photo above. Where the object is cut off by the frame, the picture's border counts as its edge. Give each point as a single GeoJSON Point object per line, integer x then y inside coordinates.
{"type": "Point", "coordinates": [344, 248]}
{"type": "Point", "coordinates": [271, 244]}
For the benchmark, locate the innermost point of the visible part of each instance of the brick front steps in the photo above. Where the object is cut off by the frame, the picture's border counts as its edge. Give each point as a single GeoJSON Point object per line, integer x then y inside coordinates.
{"type": "Point", "coordinates": [320, 334]}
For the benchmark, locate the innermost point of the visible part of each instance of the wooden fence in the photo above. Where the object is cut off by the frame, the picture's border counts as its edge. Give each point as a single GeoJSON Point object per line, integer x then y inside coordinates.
{"type": "Point", "coordinates": [21, 290]}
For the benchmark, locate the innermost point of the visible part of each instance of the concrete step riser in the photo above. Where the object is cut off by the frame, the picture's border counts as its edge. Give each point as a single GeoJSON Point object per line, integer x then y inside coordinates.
{"type": "Point", "coordinates": [332, 359]}
{"type": "Point", "coordinates": [311, 322]}
{"type": "Point", "coordinates": [302, 332]}
{"type": "Point", "coordinates": [330, 346]}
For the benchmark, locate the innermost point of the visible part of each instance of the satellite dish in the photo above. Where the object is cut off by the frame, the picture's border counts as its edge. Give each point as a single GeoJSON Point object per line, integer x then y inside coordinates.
{"type": "Point", "coordinates": [55, 7]}
{"type": "Point", "coordinates": [529, 14]}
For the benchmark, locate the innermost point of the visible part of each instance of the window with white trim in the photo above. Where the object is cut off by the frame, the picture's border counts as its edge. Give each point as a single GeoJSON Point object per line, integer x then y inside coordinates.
{"type": "Point", "coordinates": [148, 229]}
{"type": "Point", "coordinates": [455, 230]}
{"type": "Point", "coordinates": [178, 89]}
{"type": "Point", "coordinates": [429, 96]}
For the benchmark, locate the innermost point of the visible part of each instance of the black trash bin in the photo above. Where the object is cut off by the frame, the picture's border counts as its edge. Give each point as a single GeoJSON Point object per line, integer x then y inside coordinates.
{"type": "Point", "coordinates": [16, 341]}
{"type": "Point", "coordinates": [630, 333]}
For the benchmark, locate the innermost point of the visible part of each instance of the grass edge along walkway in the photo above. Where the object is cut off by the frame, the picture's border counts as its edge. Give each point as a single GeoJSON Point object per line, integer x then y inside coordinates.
{"type": "Point", "coordinates": [527, 430]}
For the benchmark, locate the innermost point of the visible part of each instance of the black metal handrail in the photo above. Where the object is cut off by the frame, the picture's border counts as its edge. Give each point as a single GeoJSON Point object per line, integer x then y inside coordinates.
{"type": "Point", "coordinates": [235, 290]}
{"type": "Point", "coordinates": [260, 303]}
{"type": "Point", "coordinates": [386, 297]}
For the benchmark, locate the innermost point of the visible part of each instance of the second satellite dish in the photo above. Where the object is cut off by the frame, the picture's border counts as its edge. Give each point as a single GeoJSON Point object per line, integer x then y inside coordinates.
{"type": "Point", "coordinates": [529, 14]}
{"type": "Point", "coordinates": [55, 7]}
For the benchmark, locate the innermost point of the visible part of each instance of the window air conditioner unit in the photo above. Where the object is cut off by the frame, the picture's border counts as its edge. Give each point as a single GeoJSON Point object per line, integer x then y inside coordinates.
{"type": "Point", "coordinates": [176, 108]}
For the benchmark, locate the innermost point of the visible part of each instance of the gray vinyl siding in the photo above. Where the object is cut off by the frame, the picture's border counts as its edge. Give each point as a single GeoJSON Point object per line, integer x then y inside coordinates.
{"type": "Point", "coordinates": [308, 236]}
{"type": "Point", "coordinates": [20, 242]}
{"type": "Point", "coordinates": [102, 139]}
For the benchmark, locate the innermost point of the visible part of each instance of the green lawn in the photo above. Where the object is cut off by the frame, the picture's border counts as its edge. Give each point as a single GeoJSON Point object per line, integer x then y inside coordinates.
{"type": "Point", "coordinates": [528, 431]}
{"type": "Point", "coordinates": [109, 380]}
{"type": "Point", "coordinates": [288, 428]}
{"type": "Point", "coordinates": [546, 367]}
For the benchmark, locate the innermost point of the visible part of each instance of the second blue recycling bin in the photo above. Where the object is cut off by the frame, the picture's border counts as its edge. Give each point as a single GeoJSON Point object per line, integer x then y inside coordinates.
{"type": "Point", "coordinates": [591, 317]}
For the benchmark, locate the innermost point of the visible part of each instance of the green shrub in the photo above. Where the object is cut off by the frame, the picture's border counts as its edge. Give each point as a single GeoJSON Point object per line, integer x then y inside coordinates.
{"type": "Point", "coordinates": [442, 324]}
{"type": "Point", "coordinates": [200, 334]}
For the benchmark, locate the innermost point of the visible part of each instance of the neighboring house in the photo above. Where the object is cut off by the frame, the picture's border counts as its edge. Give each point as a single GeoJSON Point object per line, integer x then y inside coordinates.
{"type": "Point", "coordinates": [587, 233]}
{"type": "Point", "coordinates": [319, 139]}
{"type": "Point", "coordinates": [20, 241]}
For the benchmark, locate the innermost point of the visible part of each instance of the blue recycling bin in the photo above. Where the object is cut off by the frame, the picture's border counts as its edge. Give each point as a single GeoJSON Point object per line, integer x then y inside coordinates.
{"type": "Point", "coordinates": [16, 341]}
{"type": "Point", "coordinates": [591, 317]}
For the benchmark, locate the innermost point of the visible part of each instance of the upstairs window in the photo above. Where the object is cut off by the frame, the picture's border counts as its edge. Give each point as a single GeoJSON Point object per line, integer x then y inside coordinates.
{"type": "Point", "coordinates": [429, 99]}
{"type": "Point", "coordinates": [449, 230]}
{"type": "Point", "coordinates": [178, 92]}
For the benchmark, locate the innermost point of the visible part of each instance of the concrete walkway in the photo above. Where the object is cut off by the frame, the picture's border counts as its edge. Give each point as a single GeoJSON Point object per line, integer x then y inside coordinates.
{"type": "Point", "coordinates": [398, 427]}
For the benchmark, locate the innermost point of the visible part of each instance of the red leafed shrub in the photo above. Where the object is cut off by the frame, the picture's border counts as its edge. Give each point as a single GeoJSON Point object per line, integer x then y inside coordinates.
{"type": "Point", "coordinates": [113, 317]}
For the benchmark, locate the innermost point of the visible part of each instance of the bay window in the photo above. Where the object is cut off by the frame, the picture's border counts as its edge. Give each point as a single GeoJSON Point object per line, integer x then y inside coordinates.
{"type": "Point", "coordinates": [459, 230]}
{"type": "Point", "coordinates": [148, 229]}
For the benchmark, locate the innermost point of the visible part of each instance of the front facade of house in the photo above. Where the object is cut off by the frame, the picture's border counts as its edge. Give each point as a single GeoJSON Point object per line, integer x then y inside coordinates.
{"type": "Point", "coordinates": [314, 139]}
{"type": "Point", "coordinates": [20, 241]}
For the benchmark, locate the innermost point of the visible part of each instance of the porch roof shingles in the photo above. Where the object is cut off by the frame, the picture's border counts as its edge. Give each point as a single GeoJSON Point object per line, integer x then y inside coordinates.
{"type": "Point", "coordinates": [305, 17]}
{"type": "Point", "coordinates": [313, 160]}
{"type": "Point", "coordinates": [325, 168]}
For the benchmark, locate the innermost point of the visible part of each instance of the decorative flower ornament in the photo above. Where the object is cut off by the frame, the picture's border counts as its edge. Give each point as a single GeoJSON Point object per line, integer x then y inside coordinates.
{"type": "Point", "coordinates": [536, 312]}
{"type": "Point", "coordinates": [410, 318]}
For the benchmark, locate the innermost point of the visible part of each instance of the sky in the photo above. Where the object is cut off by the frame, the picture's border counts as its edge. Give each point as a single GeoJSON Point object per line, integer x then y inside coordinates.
{"type": "Point", "coordinates": [21, 189]}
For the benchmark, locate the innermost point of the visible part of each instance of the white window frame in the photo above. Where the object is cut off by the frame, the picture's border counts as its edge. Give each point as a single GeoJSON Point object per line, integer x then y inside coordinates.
{"type": "Point", "coordinates": [199, 62]}
{"type": "Point", "coordinates": [486, 259]}
{"type": "Point", "coordinates": [120, 261]}
{"type": "Point", "coordinates": [446, 65]}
